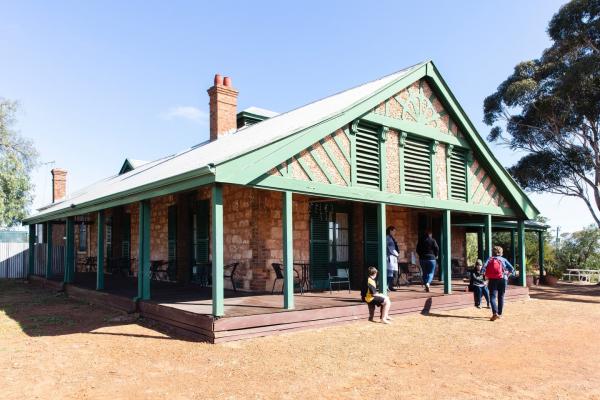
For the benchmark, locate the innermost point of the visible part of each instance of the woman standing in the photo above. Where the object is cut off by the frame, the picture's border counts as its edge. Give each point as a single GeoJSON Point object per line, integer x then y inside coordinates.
{"type": "Point", "coordinates": [392, 258]}
{"type": "Point", "coordinates": [427, 249]}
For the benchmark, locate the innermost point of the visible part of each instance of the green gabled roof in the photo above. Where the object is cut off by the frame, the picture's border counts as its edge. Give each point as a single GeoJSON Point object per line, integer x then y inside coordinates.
{"type": "Point", "coordinates": [244, 157]}
{"type": "Point", "coordinates": [251, 167]}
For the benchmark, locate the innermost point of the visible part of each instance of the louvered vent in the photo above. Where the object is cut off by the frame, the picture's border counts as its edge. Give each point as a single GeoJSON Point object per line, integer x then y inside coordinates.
{"type": "Point", "coordinates": [458, 175]}
{"type": "Point", "coordinates": [367, 156]}
{"type": "Point", "coordinates": [417, 166]}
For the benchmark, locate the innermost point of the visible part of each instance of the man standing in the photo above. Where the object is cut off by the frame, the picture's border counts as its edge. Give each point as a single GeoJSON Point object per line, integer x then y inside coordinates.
{"type": "Point", "coordinates": [428, 250]}
{"type": "Point", "coordinates": [392, 258]}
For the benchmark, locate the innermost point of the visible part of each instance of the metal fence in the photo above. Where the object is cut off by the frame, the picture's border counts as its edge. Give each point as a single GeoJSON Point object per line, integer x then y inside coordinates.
{"type": "Point", "coordinates": [14, 258]}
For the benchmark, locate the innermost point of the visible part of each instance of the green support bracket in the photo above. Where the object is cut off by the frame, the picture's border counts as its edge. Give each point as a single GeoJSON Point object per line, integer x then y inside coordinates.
{"type": "Point", "coordinates": [447, 251]}
{"type": "Point", "coordinates": [48, 250]}
{"type": "Point", "coordinates": [288, 252]}
{"type": "Point", "coordinates": [383, 132]}
{"type": "Point", "coordinates": [218, 289]}
{"type": "Point", "coordinates": [70, 251]}
{"type": "Point", "coordinates": [449, 151]}
{"type": "Point", "coordinates": [541, 252]}
{"type": "Point", "coordinates": [352, 136]}
{"type": "Point", "coordinates": [401, 143]}
{"type": "Point", "coordinates": [468, 174]}
{"type": "Point", "coordinates": [382, 247]}
{"type": "Point", "coordinates": [144, 251]}
{"type": "Point", "coordinates": [31, 253]}
{"type": "Point", "coordinates": [488, 237]}
{"type": "Point", "coordinates": [433, 151]}
{"type": "Point", "coordinates": [522, 257]}
{"type": "Point", "coordinates": [100, 252]}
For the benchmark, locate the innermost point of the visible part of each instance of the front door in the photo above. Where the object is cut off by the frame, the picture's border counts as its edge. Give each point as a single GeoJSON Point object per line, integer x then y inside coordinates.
{"type": "Point", "coordinates": [329, 242]}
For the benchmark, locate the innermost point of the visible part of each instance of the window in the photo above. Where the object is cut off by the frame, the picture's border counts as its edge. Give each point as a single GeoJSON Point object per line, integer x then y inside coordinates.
{"type": "Point", "coordinates": [200, 232]}
{"type": "Point", "coordinates": [329, 241]}
{"type": "Point", "coordinates": [367, 155]}
{"type": "Point", "coordinates": [82, 237]}
{"type": "Point", "coordinates": [458, 174]}
{"type": "Point", "coordinates": [417, 166]}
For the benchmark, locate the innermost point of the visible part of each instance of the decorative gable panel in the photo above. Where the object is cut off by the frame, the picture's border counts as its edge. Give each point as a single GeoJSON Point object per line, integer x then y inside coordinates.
{"type": "Point", "coordinates": [327, 161]}
{"type": "Point", "coordinates": [417, 103]}
{"type": "Point", "coordinates": [482, 188]}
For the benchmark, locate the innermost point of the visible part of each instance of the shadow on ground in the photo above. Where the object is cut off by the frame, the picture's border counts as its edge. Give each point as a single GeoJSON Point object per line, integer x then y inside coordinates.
{"type": "Point", "coordinates": [45, 312]}
{"type": "Point", "coordinates": [567, 292]}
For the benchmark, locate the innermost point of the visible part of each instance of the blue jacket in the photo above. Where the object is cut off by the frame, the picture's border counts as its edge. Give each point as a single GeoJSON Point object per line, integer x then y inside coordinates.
{"type": "Point", "coordinates": [507, 266]}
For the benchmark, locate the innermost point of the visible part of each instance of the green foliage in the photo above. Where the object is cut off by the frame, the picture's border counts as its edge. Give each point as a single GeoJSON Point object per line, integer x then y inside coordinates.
{"type": "Point", "coordinates": [580, 249]}
{"type": "Point", "coordinates": [551, 109]}
{"type": "Point", "coordinates": [17, 158]}
{"type": "Point", "coordinates": [472, 250]}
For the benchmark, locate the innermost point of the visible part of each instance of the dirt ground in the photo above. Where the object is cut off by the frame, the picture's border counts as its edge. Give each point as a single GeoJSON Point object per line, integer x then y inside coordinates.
{"type": "Point", "coordinates": [544, 348]}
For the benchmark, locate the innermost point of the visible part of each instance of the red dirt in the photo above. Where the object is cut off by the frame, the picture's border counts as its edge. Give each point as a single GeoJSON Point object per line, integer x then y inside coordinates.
{"type": "Point", "coordinates": [52, 347]}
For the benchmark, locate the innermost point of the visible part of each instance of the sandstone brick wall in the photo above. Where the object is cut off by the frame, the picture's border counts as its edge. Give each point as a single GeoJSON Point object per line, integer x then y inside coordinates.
{"type": "Point", "coordinates": [392, 154]}
{"type": "Point", "coordinates": [253, 233]}
{"type": "Point", "coordinates": [441, 178]}
{"type": "Point", "coordinates": [459, 244]}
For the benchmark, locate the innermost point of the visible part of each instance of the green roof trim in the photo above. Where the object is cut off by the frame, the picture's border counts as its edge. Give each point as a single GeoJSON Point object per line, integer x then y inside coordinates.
{"type": "Point", "coordinates": [250, 168]}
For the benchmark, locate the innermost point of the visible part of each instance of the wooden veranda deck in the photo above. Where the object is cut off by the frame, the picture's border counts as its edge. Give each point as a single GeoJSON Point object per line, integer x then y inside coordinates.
{"type": "Point", "coordinates": [188, 307]}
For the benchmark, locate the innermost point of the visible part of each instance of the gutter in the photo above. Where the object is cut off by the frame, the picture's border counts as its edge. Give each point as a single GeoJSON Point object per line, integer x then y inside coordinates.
{"type": "Point", "coordinates": [163, 187]}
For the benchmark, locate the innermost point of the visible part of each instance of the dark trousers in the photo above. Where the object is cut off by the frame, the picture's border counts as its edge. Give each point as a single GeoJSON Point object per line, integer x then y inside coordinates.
{"type": "Point", "coordinates": [478, 291]}
{"type": "Point", "coordinates": [497, 288]}
{"type": "Point", "coordinates": [392, 281]}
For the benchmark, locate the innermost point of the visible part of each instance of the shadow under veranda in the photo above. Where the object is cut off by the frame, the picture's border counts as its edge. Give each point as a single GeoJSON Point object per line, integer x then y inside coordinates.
{"type": "Point", "coordinates": [44, 312]}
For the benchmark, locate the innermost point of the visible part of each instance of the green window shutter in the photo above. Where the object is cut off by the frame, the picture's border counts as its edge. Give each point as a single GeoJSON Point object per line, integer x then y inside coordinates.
{"type": "Point", "coordinates": [417, 166]}
{"type": "Point", "coordinates": [172, 237]}
{"type": "Point", "coordinates": [201, 232]}
{"type": "Point", "coordinates": [319, 250]}
{"type": "Point", "coordinates": [371, 242]}
{"type": "Point", "coordinates": [367, 156]}
{"type": "Point", "coordinates": [458, 175]}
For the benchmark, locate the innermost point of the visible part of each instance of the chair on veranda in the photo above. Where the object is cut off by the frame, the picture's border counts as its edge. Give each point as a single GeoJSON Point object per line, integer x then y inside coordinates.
{"type": "Point", "coordinates": [414, 273]}
{"type": "Point", "coordinates": [338, 276]}
{"type": "Point", "coordinates": [229, 273]}
{"type": "Point", "coordinates": [278, 268]}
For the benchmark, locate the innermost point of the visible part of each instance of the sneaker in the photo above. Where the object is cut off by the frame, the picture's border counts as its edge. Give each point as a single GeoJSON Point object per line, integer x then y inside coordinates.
{"type": "Point", "coordinates": [385, 321]}
{"type": "Point", "coordinates": [478, 306]}
{"type": "Point", "coordinates": [487, 306]}
{"type": "Point", "coordinates": [427, 287]}
{"type": "Point", "coordinates": [494, 317]}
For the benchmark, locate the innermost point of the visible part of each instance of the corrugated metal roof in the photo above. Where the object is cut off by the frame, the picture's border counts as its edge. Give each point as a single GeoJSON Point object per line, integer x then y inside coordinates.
{"type": "Point", "coordinates": [228, 146]}
{"type": "Point", "coordinates": [260, 111]}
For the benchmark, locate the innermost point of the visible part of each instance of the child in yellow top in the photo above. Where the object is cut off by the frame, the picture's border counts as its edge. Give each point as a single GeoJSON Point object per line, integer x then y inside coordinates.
{"type": "Point", "coordinates": [373, 297]}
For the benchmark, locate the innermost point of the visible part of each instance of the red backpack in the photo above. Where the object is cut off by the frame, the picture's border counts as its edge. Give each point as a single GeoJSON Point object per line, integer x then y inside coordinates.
{"type": "Point", "coordinates": [494, 269]}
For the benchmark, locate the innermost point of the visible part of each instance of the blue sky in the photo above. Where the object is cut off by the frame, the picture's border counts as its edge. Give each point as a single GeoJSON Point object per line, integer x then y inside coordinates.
{"type": "Point", "coordinates": [102, 81]}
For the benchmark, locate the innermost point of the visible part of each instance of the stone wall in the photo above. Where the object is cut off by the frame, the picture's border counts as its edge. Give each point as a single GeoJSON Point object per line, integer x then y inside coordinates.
{"type": "Point", "coordinates": [253, 233]}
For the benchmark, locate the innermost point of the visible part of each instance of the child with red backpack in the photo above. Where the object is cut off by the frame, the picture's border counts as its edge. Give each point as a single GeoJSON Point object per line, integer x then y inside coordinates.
{"type": "Point", "coordinates": [496, 269]}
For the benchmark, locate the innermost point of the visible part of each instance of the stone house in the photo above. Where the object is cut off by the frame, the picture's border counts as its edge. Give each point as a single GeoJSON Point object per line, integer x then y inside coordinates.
{"type": "Point", "coordinates": [318, 185]}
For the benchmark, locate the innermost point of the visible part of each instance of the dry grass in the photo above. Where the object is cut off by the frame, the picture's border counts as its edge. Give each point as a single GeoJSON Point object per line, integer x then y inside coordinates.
{"type": "Point", "coordinates": [545, 348]}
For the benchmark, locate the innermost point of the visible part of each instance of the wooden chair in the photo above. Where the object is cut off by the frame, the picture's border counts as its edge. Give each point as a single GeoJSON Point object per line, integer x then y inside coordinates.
{"type": "Point", "coordinates": [229, 273]}
{"type": "Point", "coordinates": [278, 268]}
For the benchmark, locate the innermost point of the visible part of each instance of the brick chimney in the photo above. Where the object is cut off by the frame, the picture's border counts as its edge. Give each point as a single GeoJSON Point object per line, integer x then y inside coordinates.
{"type": "Point", "coordinates": [59, 184]}
{"type": "Point", "coordinates": [223, 107]}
